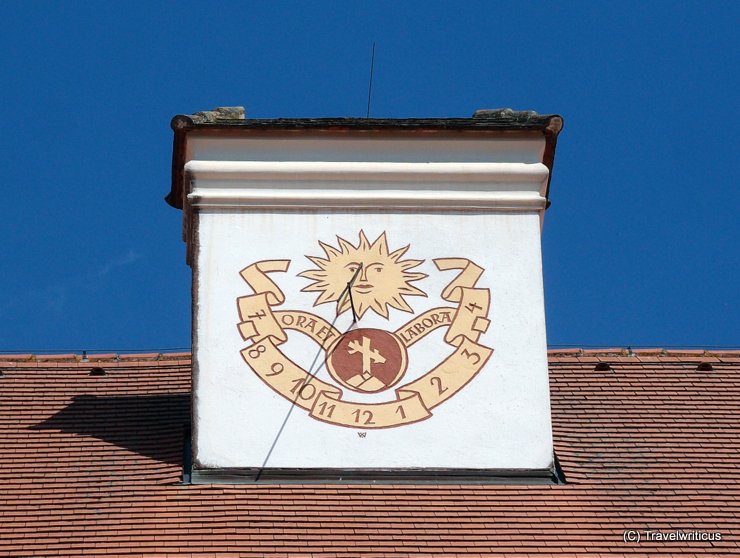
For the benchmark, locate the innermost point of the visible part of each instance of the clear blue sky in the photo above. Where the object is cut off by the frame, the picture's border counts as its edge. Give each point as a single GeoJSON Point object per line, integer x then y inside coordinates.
{"type": "Point", "coordinates": [641, 244]}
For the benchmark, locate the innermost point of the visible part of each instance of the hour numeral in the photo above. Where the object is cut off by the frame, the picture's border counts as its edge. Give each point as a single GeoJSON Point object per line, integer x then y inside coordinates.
{"type": "Point", "coordinates": [435, 381]}
{"type": "Point", "coordinates": [326, 410]}
{"type": "Point", "coordinates": [304, 390]}
{"type": "Point", "coordinates": [367, 415]}
{"type": "Point", "coordinates": [400, 411]}
{"type": "Point", "coordinates": [258, 316]}
{"type": "Point", "coordinates": [257, 351]}
{"type": "Point", "coordinates": [276, 368]}
{"type": "Point", "coordinates": [470, 356]}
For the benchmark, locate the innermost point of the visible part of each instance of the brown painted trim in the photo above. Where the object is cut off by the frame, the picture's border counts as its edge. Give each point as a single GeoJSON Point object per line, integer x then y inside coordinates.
{"type": "Point", "coordinates": [513, 121]}
{"type": "Point", "coordinates": [345, 131]}
{"type": "Point", "coordinates": [548, 157]}
{"type": "Point", "coordinates": [179, 144]}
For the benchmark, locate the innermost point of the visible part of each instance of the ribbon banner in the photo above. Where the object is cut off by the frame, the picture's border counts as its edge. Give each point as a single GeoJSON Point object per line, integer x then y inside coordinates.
{"type": "Point", "coordinates": [265, 327]}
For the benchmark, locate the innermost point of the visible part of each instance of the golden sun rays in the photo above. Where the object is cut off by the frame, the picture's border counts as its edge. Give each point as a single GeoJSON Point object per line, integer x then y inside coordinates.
{"type": "Point", "coordinates": [383, 281]}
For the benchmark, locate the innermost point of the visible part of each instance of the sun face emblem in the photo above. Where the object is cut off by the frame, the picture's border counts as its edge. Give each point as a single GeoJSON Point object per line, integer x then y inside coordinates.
{"type": "Point", "coordinates": [383, 281]}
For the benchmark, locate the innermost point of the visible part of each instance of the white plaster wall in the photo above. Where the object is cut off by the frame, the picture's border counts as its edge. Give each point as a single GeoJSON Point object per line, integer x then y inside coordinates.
{"type": "Point", "coordinates": [500, 420]}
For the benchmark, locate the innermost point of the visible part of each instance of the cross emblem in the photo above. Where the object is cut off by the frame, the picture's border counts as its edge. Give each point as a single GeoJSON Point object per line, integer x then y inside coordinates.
{"type": "Point", "coordinates": [369, 356]}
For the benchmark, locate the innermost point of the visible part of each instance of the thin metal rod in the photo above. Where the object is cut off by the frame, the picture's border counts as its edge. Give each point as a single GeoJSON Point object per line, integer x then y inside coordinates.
{"type": "Point", "coordinates": [352, 304]}
{"type": "Point", "coordinates": [370, 87]}
{"type": "Point", "coordinates": [312, 371]}
{"type": "Point", "coordinates": [348, 289]}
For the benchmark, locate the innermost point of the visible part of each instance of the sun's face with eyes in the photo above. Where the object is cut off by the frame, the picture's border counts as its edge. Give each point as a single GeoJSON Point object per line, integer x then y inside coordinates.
{"type": "Point", "coordinates": [383, 278]}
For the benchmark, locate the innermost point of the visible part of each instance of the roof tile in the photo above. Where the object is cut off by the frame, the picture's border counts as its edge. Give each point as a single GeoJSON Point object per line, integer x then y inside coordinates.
{"type": "Point", "coordinates": [651, 445]}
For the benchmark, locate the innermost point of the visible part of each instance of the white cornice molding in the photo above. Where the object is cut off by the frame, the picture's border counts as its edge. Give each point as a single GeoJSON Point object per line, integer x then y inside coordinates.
{"type": "Point", "coordinates": [366, 171]}
{"type": "Point", "coordinates": [347, 199]}
{"type": "Point", "coordinates": [435, 185]}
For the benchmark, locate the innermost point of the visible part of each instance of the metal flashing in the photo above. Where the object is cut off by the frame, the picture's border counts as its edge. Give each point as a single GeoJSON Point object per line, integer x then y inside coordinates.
{"type": "Point", "coordinates": [371, 476]}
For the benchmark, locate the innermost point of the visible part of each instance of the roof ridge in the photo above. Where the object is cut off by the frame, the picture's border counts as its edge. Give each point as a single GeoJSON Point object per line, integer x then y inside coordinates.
{"type": "Point", "coordinates": [572, 352]}
{"type": "Point", "coordinates": [99, 357]}
{"type": "Point", "coordinates": [645, 351]}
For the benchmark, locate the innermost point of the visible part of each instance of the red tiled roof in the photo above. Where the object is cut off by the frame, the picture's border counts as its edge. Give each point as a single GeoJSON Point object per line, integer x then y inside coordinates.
{"type": "Point", "coordinates": [91, 465]}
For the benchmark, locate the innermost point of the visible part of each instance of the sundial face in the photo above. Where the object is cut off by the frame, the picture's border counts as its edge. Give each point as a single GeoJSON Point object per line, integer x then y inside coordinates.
{"type": "Point", "coordinates": [366, 277]}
